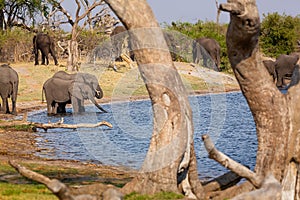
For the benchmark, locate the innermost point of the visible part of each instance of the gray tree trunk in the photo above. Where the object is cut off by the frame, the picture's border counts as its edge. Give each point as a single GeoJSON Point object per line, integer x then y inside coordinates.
{"type": "Point", "coordinates": [170, 164]}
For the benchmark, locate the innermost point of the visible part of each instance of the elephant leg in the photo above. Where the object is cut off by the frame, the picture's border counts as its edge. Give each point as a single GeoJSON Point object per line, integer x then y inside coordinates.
{"type": "Point", "coordinates": [47, 60]}
{"type": "Point", "coordinates": [61, 108]}
{"type": "Point", "coordinates": [36, 57]}
{"type": "Point", "coordinates": [5, 105]}
{"type": "Point", "coordinates": [75, 104]}
{"type": "Point", "coordinates": [50, 106]}
{"type": "Point", "coordinates": [52, 52]}
{"type": "Point", "coordinates": [81, 108]}
{"type": "Point", "coordinates": [43, 59]}
{"type": "Point", "coordinates": [14, 110]}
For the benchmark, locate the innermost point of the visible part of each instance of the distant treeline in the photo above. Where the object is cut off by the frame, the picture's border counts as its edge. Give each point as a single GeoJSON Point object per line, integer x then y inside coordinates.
{"type": "Point", "coordinates": [280, 34]}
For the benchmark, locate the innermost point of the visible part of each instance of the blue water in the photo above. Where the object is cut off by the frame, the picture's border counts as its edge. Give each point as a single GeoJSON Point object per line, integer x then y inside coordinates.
{"type": "Point", "coordinates": [225, 117]}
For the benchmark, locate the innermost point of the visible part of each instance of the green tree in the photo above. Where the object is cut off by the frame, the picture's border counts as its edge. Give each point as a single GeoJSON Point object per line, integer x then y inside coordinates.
{"type": "Point", "coordinates": [21, 13]}
{"type": "Point", "coordinates": [278, 34]}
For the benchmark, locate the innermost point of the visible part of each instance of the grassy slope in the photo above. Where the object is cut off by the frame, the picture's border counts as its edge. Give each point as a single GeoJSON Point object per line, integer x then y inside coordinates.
{"type": "Point", "coordinates": [124, 83]}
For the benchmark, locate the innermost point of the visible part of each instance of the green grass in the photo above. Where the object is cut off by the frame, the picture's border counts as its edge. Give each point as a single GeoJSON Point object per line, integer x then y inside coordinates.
{"type": "Point", "coordinates": [22, 127]}
{"type": "Point", "coordinates": [158, 196]}
{"type": "Point", "coordinates": [10, 191]}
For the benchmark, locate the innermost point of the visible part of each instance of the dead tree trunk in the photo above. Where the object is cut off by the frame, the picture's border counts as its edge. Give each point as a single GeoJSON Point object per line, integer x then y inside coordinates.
{"type": "Point", "coordinates": [72, 63]}
{"type": "Point", "coordinates": [170, 163]}
{"type": "Point", "coordinates": [275, 114]}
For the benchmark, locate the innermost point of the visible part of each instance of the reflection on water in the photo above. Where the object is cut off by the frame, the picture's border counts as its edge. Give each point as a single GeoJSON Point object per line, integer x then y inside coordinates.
{"type": "Point", "coordinates": [225, 117]}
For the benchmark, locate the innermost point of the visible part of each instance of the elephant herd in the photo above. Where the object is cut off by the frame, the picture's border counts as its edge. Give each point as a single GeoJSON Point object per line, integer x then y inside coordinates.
{"type": "Point", "coordinates": [61, 89]}
{"type": "Point", "coordinates": [283, 68]}
{"type": "Point", "coordinates": [204, 49]}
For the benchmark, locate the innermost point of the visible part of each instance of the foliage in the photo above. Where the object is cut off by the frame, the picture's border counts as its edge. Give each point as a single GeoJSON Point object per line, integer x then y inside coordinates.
{"type": "Point", "coordinates": [15, 45]}
{"type": "Point", "coordinates": [279, 34]}
{"type": "Point", "coordinates": [20, 12]}
{"type": "Point", "coordinates": [89, 39]}
{"type": "Point", "coordinates": [205, 29]}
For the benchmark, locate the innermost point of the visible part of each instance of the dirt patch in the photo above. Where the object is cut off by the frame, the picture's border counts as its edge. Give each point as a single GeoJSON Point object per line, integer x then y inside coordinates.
{"type": "Point", "coordinates": [21, 147]}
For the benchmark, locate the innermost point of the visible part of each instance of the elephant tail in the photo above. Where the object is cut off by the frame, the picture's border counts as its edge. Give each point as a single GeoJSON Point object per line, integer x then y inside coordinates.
{"type": "Point", "coordinates": [43, 95]}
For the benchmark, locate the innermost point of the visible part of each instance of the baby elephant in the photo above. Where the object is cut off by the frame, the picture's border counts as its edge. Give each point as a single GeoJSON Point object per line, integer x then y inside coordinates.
{"type": "Point", "coordinates": [9, 81]}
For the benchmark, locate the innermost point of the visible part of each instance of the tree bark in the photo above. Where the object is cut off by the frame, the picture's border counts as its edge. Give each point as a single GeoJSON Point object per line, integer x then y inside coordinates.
{"type": "Point", "coordinates": [72, 64]}
{"type": "Point", "coordinates": [170, 163]}
{"type": "Point", "coordinates": [275, 114]}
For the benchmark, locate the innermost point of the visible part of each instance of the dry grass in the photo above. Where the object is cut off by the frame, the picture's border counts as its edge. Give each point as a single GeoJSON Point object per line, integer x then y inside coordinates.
{"type": "Point", "coordinates": [122, 84]}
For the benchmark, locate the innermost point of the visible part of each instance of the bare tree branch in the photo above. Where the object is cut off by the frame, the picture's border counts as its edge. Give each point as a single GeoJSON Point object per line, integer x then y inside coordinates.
{"type": "Point", "coordinates": [55, 186]}
{"type": "Point", "coordinates": [229, 163]}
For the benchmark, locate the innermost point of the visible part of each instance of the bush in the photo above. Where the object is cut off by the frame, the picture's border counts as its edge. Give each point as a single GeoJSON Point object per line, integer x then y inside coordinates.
{"type": "Point", "coordinates": [16, 45]}
{"type": "Point", "coordinates": [279, 34]}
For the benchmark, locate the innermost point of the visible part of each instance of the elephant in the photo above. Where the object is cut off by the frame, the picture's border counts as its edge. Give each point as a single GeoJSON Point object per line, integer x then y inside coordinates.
{"type": "Point", "coordinates": [284, 67]}
{"type": "Point", "coordinates": [120, 42]}
{"type": "Point", "coordinates": [45, 44]}
{"type": "Point", "coordinates": [63, 88]}
{"type": "Point", "coordinates": [270, 66]}
{"type": "Point", "coordinates": [9, 82]}
{"type": "Point", "coordinates": [295, 77]}
{"type": "Point", "coordinates": [207, 49]}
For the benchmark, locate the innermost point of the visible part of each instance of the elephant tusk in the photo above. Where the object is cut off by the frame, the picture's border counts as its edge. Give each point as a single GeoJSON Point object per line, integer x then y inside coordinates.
{"type": "Point", "coordinates": [98, 106]}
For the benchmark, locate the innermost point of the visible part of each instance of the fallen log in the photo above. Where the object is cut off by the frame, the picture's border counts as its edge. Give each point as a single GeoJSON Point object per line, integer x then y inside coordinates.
{"type": "Point", "coordinates": [45, 126]}
{"type": "Point", "coordinates": [60, 124]}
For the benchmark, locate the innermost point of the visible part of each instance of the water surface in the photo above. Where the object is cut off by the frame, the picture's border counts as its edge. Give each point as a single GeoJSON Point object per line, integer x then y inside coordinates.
{"type": "Point", "coordinates": [225, 117]}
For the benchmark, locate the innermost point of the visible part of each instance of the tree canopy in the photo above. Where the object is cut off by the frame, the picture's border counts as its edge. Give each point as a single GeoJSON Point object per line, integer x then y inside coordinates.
{"type": "Point", "coordinates": [279, 34]}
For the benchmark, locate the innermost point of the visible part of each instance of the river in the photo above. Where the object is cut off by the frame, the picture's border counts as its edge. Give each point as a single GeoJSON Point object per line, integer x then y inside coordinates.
{"type": "Point", "coordinates": [225, 117]}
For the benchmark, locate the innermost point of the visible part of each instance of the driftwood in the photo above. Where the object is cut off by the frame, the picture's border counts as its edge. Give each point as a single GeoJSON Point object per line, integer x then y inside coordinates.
{"type": "Point", "coordinates": [60, 124]}
{"type": "Point", "coordinates": [49, 125]}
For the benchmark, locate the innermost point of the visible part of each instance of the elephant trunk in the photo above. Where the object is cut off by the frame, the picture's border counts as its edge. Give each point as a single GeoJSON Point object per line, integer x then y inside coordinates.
{"type": "Point", "coordinates": [98, 94]}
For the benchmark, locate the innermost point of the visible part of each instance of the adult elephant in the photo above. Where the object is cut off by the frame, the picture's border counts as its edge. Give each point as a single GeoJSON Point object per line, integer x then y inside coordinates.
{"type": "Point", "coordinates": [44, 43]}
{"type": "Point", "coordinates": [9, 82]}
{"type": "Point", "coordinates": [284, 67]}
{"type": "Point", "coordinates": [120, 43]}
{"type": "Point", "coordinates": [209, 50]}
{"type": "Point", "coordinates": [64, 88]}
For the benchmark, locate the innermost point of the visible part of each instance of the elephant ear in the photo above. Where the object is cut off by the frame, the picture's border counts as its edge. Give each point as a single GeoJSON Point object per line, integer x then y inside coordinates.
{"type": "Point", "coordinates": [75, 90]}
